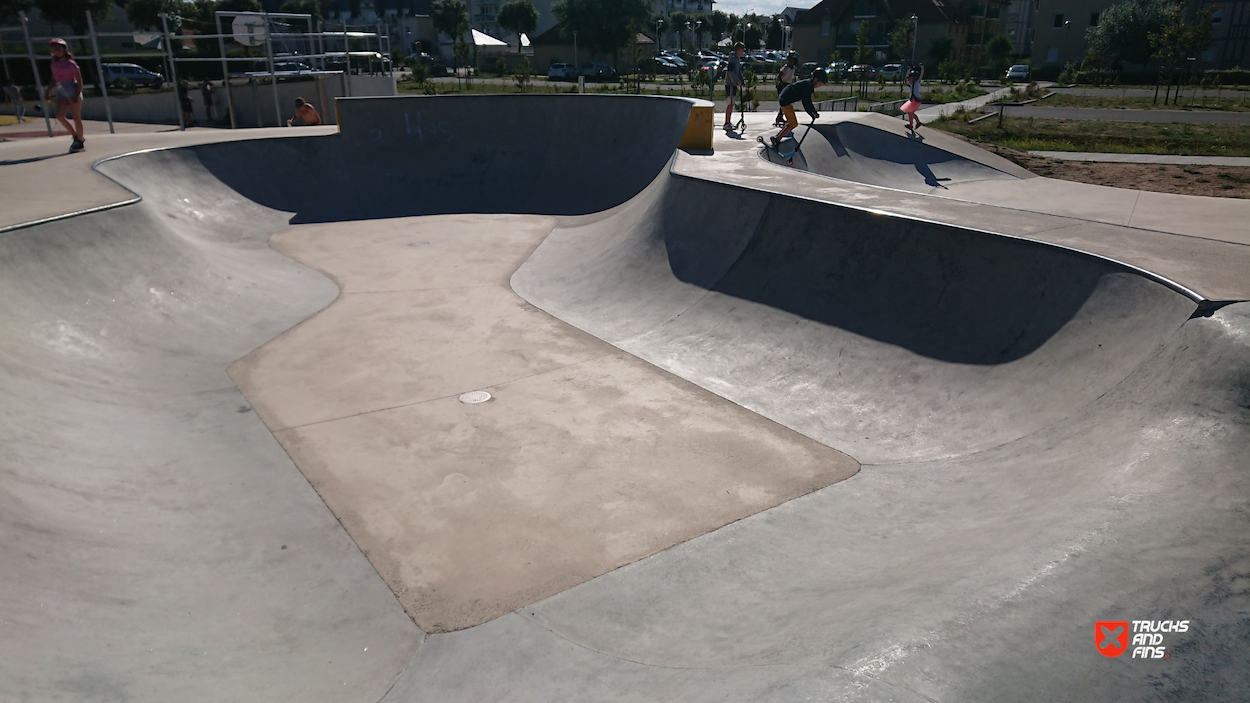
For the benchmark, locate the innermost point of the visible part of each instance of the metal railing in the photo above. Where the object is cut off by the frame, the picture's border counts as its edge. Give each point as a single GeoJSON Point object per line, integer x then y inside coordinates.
{"type": "Point", "coordinates": [315, 45]}
{"type": "Point", "coordinates": [850, 104]}
{"type": "Point", "coordinates": [888, 108]}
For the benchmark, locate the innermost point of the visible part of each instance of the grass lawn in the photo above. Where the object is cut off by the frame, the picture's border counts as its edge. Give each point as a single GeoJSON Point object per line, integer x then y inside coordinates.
{"type": "Point", "coordinates": [1036, 134]}
{"type": "Point", "coordinates": [1231, 101]}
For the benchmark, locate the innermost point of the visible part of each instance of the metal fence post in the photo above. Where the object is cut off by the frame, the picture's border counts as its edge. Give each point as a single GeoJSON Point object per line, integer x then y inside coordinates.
{"type": "Point", "coordinates": [273, 80]}
{"type": "Point", "coordinates": [225, 71]}
{"type": "Point", "coordinates": [99, 65]}
{"type": "Point", "coordinates": [30, 50]}
{"type": "Point", "coordinates": [173, 70]}
{"type": "Point", "coordinates": [347, 56]}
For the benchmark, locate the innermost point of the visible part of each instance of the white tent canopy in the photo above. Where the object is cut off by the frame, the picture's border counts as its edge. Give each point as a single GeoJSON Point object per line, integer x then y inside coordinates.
{"type": "Point", "coordinates": [483, 39]}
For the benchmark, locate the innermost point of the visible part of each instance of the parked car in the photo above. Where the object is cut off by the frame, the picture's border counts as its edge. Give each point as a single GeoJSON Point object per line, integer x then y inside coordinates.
{"type": "Point", "coordinates": [892, 71]}
{"type": "Point", "coordinates": [837, 69]}
{"type": "Point", "coordinates": [115, 73]}
{"type": "Point", "coordinates": [714, 67]}
{"type": "Point", "coordinates": [805, 70]}
{"type": "Point", "coordinates": [597, 71]}
{"type": "Point", "coordinates": [562, 72]}
{"type": "Point", "coordinates": [861, 71]}
{"type": "Point", "coordinates": [436, 67]}
{"type": "Point", "coordinates": [1019, 72]}
{"type": "Point", "coordinates": [667, 67]}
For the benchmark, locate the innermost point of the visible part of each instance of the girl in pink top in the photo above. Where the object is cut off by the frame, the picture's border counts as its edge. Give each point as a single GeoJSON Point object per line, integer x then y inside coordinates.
{"type": "Point", "coordinates": [67, 85]}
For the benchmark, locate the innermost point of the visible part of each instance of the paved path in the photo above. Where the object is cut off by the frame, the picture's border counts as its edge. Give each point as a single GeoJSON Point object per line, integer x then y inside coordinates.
{"type": "Point", "coordinates": [1117, 115]}
{"type": "Point", "coordinates": [1145, 158]}
{"type": "Point", "coordinates": [1227, 92]}
{"type": "Point", "coordinates": [929, 114]}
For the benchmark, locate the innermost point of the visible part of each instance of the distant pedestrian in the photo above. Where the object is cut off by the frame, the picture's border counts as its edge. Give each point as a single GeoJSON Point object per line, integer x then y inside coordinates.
{"type": "Point", "coordinates": [184, 100]}
{"type": "Point", "coordinates": [13, 94]}
{"type": "Point", "coordinates": [206, 90]}
{"type": "Point", "coordinates": [67, 87]}
{"type": "Point", "coordinates": [914, 76]}
{"type": "Point", "coordinates": [784, 78]}
{"type": "Point", "coordinates": [733, 82]}
{"type": "Point", "coordinates": [305, 112]}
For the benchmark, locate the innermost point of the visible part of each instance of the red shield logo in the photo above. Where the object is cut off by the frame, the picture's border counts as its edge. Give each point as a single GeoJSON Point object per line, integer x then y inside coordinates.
{"type": "Point", "coordinates": [1111, 637]}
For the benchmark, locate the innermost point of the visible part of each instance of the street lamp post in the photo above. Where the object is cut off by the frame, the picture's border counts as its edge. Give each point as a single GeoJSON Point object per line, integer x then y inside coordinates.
{"type": "Point", "coordinates": [915, 32]}
{"type": "Point", "coordinates": [787, 29]}
{"type": "Point", "coordinates": [698, 35]}
{"type": "Point", "coordinates": [658, 22]}
{"type": "Point", "coordinates": [1067, 29]}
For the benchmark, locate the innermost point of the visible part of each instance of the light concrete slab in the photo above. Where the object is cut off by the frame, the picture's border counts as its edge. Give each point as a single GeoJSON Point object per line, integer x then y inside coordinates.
{"type": "Point", "coordinates": [471, 511]}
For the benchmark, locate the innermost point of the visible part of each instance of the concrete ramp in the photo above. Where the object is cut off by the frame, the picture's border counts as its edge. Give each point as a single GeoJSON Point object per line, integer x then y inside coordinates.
{"type": "Point", "coordinates": [877, 150]}
{"type": "Point", "coordinates": [894, 339]}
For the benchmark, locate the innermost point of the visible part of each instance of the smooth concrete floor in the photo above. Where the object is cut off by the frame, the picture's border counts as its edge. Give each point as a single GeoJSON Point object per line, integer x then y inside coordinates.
{"type": "Point", "coordinates": [465, 510]}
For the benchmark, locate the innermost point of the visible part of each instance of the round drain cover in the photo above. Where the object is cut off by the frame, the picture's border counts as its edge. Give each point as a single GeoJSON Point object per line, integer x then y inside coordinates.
{"type": "Point", "coordinates": [475, 397]}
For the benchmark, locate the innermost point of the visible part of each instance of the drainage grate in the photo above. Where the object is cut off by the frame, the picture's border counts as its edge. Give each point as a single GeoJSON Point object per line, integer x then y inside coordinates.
{"type": "Point", "coordinates": [475, 397]}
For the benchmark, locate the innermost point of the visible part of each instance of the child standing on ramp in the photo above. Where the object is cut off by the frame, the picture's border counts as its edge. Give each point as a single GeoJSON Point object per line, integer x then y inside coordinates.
{"type": "Point", "coordinates": [909, 108]}
{"type": "Point", "coordinates": [796, 92]}
{"type": "Point", "coordinates": [733, 82]}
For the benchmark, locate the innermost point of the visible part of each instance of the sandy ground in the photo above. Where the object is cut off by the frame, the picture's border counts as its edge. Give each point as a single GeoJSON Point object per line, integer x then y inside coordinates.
{"type": "Point", "coordinates": [1215, 181]}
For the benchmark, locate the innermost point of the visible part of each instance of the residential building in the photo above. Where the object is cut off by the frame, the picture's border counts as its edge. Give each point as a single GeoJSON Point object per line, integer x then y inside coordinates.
{"type": "Point", "coordinates": [1059, 28]}
{"type": "Point", "coordinates": [663, 7]}
{"type": "Point", "coordinates": [1230, 34]}
{"type": "Point", "coordinates": [1018, 26]}
{"type": "Point", "coordinates": [829, 30]}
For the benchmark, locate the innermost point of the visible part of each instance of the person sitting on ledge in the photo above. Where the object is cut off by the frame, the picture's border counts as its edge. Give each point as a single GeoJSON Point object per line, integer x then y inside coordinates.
{"type": "Point", "coordinates": [305, 112]}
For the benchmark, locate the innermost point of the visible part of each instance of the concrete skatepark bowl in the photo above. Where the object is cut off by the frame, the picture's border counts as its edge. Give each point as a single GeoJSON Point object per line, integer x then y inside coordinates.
{"type": "Point", "coordinates": [755, 434]}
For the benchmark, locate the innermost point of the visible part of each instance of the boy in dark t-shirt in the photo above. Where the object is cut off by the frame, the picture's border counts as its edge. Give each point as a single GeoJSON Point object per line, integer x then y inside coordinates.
{"type": "Point", "coordinates": [733, 82]}
{"type": "Point", "coordinates": [799, 91]}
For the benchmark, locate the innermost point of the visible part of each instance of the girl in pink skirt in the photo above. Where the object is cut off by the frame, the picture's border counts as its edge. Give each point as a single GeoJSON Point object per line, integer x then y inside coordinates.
{"type": "Point", "coordinates": [914, 76]}
{"type": "Point", "coordinates": [67, 87]}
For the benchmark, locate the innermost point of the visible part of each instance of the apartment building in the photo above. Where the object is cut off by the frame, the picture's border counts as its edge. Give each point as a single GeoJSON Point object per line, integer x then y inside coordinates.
{"type": "Point", "coordinates": [1059, 28]}
{"type": "Point", "coordinates": [829, 30]}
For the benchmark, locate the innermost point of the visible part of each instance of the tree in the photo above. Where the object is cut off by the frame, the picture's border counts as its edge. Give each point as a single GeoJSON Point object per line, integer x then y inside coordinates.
{"type": "Point", "coordinates": [10, 8]}
{"type": "Point", "coordinates": [677, 23]}
{"type": "Point", "coordinates": [717, 22]}
{"type": "Point", "coordinates": [753, 28]}
{"type": "Point", "coordinates": [1178, 39]}
{"type": "Point", "coordinates": [861, 42]}
{"type": "Point", "coordinates": [941, 49]}
{"type": "Point", "coordinates": [776, 38]}
{"type": "Point", "coordinates": [146, 14]}
{"type": "Point", "coordinates": [303, 7]}
{"type": "Point", "coordinates": [902, 37]}
{"type": "Point", "coordinates": [451, 17]}
{"type": "Point", "coordinates": [519, 17]}
{"type": "Point", "coordinates": [73, 13]}
{"type": "Point", "coordinates": [603, 26]}
{"type": "Point", "coordinates": [999, 50]}
{"type": "Point", "coordinates": [239, 6]}
{"type": "Point", "coordinates": [1124, 29]}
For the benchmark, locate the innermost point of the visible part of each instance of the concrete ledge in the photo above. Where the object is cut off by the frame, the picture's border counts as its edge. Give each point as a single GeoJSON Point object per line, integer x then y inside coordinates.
{"type": "Point", "coordinates": [698, 134]}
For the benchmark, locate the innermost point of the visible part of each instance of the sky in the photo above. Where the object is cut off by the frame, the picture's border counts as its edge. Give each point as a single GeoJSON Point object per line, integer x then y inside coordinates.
{"type": "Point", "coordinates": [760, 7]}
